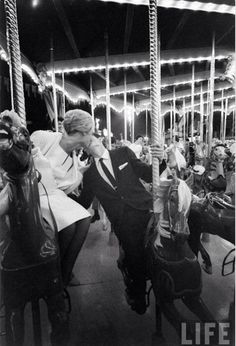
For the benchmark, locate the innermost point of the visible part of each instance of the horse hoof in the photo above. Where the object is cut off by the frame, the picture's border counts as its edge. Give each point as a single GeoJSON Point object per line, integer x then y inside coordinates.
{"type": "Point", "coordinates": [207, 268]}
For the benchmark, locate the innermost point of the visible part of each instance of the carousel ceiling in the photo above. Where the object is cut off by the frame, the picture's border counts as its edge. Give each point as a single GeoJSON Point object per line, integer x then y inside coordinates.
{"type": "Point", "coordinates": [76, 30]}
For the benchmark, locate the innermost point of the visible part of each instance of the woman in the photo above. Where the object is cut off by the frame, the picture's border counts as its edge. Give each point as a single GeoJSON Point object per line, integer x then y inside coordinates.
{"type": "Point", "coordinates": [55, 159]}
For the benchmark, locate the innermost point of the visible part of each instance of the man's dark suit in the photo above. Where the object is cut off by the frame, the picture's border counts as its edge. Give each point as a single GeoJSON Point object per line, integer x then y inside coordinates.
{"type": "Point", "coordinates": [127, 206]}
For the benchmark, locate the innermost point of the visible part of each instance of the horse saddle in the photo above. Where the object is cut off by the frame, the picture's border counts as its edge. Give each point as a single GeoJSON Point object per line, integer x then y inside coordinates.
{"type": "Point", "coordinates": [175, 269]}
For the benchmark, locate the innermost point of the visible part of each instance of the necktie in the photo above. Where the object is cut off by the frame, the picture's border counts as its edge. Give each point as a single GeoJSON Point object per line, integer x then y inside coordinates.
{"type": "Point", "coordinates": [108, 174]}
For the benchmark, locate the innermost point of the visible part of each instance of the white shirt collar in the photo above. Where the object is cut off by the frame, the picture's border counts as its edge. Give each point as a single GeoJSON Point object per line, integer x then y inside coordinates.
{"type": "Point", "coordinates": [105, 156]}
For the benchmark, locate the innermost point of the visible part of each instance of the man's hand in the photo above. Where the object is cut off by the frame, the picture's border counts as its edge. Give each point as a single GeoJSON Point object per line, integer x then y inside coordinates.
{"type": "Point", "coordinates": [157, 151]}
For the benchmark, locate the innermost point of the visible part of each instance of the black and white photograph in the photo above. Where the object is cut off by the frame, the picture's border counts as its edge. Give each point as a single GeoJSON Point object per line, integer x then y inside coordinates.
{"type": "Point", "coordinates": [117, 172]}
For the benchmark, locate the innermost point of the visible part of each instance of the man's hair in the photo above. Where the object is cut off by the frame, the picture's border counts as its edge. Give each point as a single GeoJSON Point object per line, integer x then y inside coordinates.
{"type": "Point", "coordinates": [77, 120]}
{"type": "Point", "coordinates": [58, 119]}
{"type": "Point", "coordinates": [139, 136]}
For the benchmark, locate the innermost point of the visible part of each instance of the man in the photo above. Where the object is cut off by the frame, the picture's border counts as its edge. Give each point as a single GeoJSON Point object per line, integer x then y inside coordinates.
{"type": "Point", "coordinates": [137, 146]}
{"type": "Point", "coordinates": [113, 178]}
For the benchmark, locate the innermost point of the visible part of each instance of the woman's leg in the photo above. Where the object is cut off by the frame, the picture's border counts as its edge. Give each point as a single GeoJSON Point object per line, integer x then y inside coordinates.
{"type": "Point", "coordinates": [71, 240]}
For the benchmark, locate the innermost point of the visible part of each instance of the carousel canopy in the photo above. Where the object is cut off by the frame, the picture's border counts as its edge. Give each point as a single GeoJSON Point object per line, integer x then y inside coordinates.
{"type": "Point", "coordinates": [76, 31]}
{"type": "Point", "coordinates": [226, 6]}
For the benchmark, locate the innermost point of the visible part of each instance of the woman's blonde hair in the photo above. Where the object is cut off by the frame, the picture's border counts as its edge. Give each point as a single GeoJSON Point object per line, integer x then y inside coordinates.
{"type": "Point", "coordinates": [77, 120]}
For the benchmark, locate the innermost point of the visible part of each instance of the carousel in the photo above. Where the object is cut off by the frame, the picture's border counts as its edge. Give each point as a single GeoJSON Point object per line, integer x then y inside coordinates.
{"type": "Point", "coordinates": [162, 71]}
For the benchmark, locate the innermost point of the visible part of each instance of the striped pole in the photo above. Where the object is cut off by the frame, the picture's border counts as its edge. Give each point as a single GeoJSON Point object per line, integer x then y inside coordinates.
{"type": "Point", "coordinates": [211, 95]}
{"type": "Point", "coordinates": [155, 83]}
{"type": "Point", "coordinates": [15, 70]}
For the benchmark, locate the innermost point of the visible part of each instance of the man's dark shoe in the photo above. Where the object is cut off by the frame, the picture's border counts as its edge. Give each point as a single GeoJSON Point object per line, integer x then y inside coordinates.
{"type": "Point", "coordinates": [95, 217]}
{"type": "Point", "coordinates": [137, 302]}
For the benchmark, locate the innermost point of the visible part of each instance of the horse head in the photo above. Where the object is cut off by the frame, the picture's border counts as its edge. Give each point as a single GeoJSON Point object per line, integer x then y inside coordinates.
{"type": "Point", "coordinates": [218, 152]}
{"type": "Point", "coordinates": [179, 200]}
{"type": "Point", "coordinates": [215, 177]}
{"type": "Point", "coordinates": [32, 240]}
{"type": "Point", "coordinates": [15, 148]}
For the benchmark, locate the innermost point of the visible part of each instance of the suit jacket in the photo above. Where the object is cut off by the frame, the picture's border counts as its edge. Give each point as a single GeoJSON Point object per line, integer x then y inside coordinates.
{"type": "Point", "coordinates": [130, 191]}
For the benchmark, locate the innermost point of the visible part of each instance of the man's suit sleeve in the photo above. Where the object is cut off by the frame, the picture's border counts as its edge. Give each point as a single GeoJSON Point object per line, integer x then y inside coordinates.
{"type": "Point", "coordinates": [141, 169]}
{"type": "Point", "coordinates": [87, 195]}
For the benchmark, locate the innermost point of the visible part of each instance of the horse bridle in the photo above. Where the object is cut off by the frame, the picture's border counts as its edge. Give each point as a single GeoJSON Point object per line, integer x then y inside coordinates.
{"type": "Point", "coordinates": [173, 188]}
{"type": "Point", "coordinates": [218, 201]}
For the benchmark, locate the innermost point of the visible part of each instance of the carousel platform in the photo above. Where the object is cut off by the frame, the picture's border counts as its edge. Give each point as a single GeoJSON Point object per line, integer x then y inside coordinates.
{"type": "Point", "coordinates": [100, 315]}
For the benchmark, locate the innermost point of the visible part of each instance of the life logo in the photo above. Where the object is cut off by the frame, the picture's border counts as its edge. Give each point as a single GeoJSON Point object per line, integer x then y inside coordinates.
{"type": "Point", "coordinates": [205, 333]}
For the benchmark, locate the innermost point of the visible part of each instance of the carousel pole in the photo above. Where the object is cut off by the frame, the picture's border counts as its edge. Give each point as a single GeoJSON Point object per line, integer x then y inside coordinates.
{"type": "Point", "coordinates": [108, 108]}
{"type": "Point", "coordinates": [187, 122]}
{"type": "Point", "coordinates": [174, 115]}
{"type": "Point", "coordinates": [133, 119]}
{"type": "Point", "coordinates": [184, 135]}
{"type": "Point", "coordinates": [222, 117]}
{"type": "Point", "coordinates": [211, 103]}
{"type": "Point", "coordinates": [54, 86]}
{"type": "Point", "coordinates": [163, 129]}
{"type": "Point", "coordinates": [201, 114]}
{"type": "Point", "coordinates": [233, 126]}
{"type": "Point", "coordinates": [91, 97]}
{"type": "Point", "coordinates": [63, 95]}
{"type": "Point", "coordinates": [207, 108]}
{"type": "Point", "coordinates": [155, 93]}
{"type": "Point", "coordinates": [13, 45]}
{"type": "Point", "coordinates": [125, 108]}
{"type": "Point", "coordinates": [146, 112]}
{"type": "Point", "coordinates": [192, 102]}
{"type": "Point", "coordinates": [225, 119]}
{"type": "Point", "coordinates": [171, 125]}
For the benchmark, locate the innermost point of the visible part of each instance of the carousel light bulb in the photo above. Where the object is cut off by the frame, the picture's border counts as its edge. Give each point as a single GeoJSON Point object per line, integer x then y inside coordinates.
{"type": "Point", "coordinates": [35, 3]}
{"type": "Point", "coordinates": [4, 56]}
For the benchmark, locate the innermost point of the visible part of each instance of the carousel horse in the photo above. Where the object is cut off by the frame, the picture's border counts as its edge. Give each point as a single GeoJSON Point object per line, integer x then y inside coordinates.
{"type": "Point", "coordinates": [30, 260]}
{"type": "Point", "coordinates": [172, 266]}
{"type": "Point", "coordinates": [215, 180]}
{"type": "Point", "coordinates": [214, 214]}
{"type": "Point", "coordinates": [211, 178]}
{"type": "Point", "coordinates": [208, 217]}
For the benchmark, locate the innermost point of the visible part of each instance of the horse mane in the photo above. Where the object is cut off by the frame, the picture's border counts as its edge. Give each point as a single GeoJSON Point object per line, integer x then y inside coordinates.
{"type": "Point", "coordinates": [185, 197]}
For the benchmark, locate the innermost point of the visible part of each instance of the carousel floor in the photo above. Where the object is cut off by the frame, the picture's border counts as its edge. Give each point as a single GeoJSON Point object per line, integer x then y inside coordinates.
{"type": "Point", "coordinates": [100, 315]}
